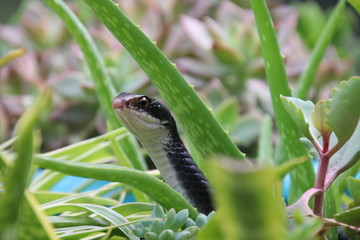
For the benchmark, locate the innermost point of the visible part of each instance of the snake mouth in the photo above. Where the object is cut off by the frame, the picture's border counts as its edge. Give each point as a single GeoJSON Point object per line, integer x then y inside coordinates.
{"type": "Point", "coordinates": [134, 118]}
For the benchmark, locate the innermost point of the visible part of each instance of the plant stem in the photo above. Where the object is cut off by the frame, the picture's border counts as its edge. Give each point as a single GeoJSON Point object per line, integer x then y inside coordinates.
{"type": "Point", "coordinates": [321, 175]}
{"type": "Point", "coordinates": [319, 184]}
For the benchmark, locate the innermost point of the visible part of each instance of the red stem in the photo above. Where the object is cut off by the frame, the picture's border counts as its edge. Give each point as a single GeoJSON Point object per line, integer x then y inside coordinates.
{"type": "Point", "coordinates": [321, 175]}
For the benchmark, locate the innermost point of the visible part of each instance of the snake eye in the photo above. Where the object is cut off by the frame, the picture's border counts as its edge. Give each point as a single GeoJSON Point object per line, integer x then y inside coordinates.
{"type": "Point", "coordinates": [143, 102]}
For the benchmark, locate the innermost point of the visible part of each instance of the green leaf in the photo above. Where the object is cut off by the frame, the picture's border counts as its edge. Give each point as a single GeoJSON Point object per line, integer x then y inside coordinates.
{"type": "Point", "coordinates": [103, 85]}
{"type": "Point", "coordinates": [34, 224]}
{"type": "Point", "coordinates": [71, 221]}
{"type": "Point", "coordinates": [332, 205]}
{"type": "Point", "coordinates": [75, 198]}
{"type": "Point", "coordinates": [227, 113]}
{"type": "Point", "coordinates": [17, 174]}
{"type": "Point", "coordinates": [252, 209]}
{"type": "Point", "coordinates": [319, 117]}
{"type": "Point", "coordinates": [132, 208]}
{"type": "Point", "coordinates": [290, 147]}
{"type": "Point", "coordinates": [196, 119]}
{"type": "Point", "coordinates": [153, 187]}
{"type": "Point", "coordinates": [211, 229]}
{"type": "Point", "coordinates": [301, 111]}
{"type": "Point", "coordinates": [344, 111]}
{"type": "Point", "coordinates": [109, 215]}
{"type": "Point", "coordinates": [345, 158]}
{"type": "Point", "coordinates": [351, 217]}
{"type": "Point", "coordinates": [308, 76]}
{"type": "Point", "coordinates": [355, 4]}
{"type": "Point", "coordinates": [354, 187]}
{"type": "Point", "coordinates": [265, 148]}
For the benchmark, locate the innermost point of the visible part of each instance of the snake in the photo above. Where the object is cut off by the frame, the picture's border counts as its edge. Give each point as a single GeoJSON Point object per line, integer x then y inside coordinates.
{"type": "Point", "coordinates": [155, 128]}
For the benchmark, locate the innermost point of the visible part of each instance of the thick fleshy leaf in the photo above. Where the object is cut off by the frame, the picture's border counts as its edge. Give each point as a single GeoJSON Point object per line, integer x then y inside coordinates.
{"type": "Point", "coordinates": [300, 111]}
{"type": "Point", "coordinates": [354, 187]}
{"type": "Point", "coordinates": [34, 224]}
{"type": "Point", "coordinates": [196, 119]}
{"type": "Point", "coordinates": [153, 187]}
{"type": "Point", "coordinates": [249, 210]}
{"type": "Point", "coordinates": [351, 217]}
{"type": "Point", "coordinates": [344, 111]}
{"type": "Point", "coordinates": [17, 174]}
{"type": "Point", "coordinates": [290, 147]}
{"type": "Point", "coordinates": [355, 4]}
{"type": "Point", "coordinates": [265, 149]}
{"type": "Point", "coordinates": [345, 158]}
{"type": "Point", "coordinates": [319, 117]}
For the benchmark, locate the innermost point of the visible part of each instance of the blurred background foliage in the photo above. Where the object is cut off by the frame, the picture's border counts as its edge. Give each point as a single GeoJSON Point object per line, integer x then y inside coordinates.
{"type": "Point", "coordinates": [213, 43]}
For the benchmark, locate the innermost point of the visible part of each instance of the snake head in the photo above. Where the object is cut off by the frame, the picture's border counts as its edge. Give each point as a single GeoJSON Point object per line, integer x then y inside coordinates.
{"type": "Point", "coordinates": [141, 114]}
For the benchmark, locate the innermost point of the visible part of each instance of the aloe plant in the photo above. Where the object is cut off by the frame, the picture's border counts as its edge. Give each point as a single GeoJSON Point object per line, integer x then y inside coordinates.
{"type": "Point", "coordinates": [251, 210]}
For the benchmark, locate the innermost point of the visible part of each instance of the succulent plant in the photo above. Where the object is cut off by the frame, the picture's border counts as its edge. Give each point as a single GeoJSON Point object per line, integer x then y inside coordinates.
{"type": "Point", "coordinates": [170, 225]}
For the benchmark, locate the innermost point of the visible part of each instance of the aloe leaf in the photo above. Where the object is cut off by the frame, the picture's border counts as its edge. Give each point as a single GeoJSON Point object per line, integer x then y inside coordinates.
{"type": "Point", "coordinates": [249, 210]}
{"type": "Point", "coordinates": [103, 85]}
{"type": "Point", "coordinates": [308, 75]}
{"type": "Point", "coordinates": [153, 187]}
{"type": "Point", "coordinates": [34, 224]}
{"type": "Point", "coordinates": [265, 148]}
{"type": "Point", "coordinates": [17, 174]}
{"type": "Point", "coordinates": [302, 178]}
{"type": "Point", "coordinates": [344, 112]}
{"type": "Point", "coordinates": [197, 120]}
{"type": "Point", "coordinates": [345, 158]}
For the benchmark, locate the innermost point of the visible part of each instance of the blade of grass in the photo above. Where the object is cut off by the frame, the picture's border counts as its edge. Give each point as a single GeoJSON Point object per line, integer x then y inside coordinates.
{"type": "Point", "coordinates": [307, 77]}
{"type": "Point", "coordinates": [104, 88]}
{"type": "Point", "coordinates": [303, 176]}
{"type": "Point", "coordinates": [197, 120]}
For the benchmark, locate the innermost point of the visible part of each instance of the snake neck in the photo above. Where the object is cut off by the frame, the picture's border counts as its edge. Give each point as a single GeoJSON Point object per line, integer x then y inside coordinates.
{"type": "Point", "coordinates": [179, 170]}
{"type": "Point", "coordinates": [192, 179]}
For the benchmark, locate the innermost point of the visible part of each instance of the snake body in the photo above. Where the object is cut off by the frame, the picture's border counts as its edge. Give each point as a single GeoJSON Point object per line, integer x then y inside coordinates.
{"type": "Point", "coordinates": [152, 123]}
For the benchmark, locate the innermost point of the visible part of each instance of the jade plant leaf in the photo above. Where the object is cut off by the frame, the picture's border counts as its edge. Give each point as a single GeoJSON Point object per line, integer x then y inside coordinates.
{"type": "Point", "coordinates": [354, 187]}
{"type": "Point", "coordinates": [345, 158]}
{"type": "Point", "coordinates": [350, 216]}
{"type": "Point", "coordinates": [319, 117]}
{"type": "Point", "coordinates": [301, 111]}
{"type": "Point", "coordinates": [344, 111]}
